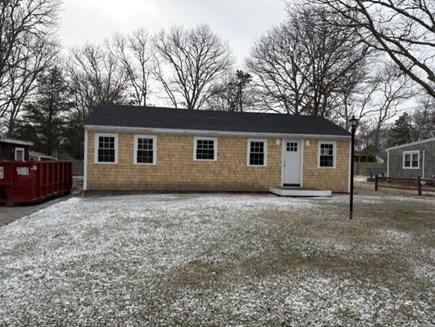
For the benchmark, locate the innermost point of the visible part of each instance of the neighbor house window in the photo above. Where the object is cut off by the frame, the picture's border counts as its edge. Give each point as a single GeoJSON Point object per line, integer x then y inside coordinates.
{"type": "Point", "coordinates": [411, 159]}
{"type": "Point", "coordinates": [106, 148]}
{"type": "Point", "coordinates": [205, 148]}
{"type": "Point", "coordinates": [326, 157]}
{"type": "Point", "coordinates": [19, 154]}
{"type": "Point", "coordinates": [145, 149]}
{"type": "Point", "coordinates": [257, 152]}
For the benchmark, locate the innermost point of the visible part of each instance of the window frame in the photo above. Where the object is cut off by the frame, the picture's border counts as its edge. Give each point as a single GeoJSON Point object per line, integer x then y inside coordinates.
{"type": "Point", "coordinates": [17, 150]}
{"type": "Point", "coordinates": [248, 156]}
{"type": "Point", "coordinates": [96, 148]}
{"type": "Point", "coordinates": [334, 154]}
{"type": "Point", "coordinates": [411, 153]}
{"type": "Point", "coordinates": [136, 143]}
{"type": "Point", "coordinates": [204, 138]}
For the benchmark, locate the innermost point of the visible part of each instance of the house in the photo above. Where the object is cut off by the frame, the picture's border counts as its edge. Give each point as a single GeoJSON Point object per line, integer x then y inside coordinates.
{"type": "Point", "coordinates": [412, 160]}
{"type": "Point", "coordinates": [38, 156]}
{"type": "Point", "coordinates": [164, 149]}
{"type": "Point", "coordinates": [11, 149]}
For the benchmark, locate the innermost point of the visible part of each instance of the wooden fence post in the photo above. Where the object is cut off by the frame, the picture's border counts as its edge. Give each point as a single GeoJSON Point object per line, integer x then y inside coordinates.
{"type": "Point", "coordinates": [376, 182]}
{"type": "Point", "coordinates": [419, 185]}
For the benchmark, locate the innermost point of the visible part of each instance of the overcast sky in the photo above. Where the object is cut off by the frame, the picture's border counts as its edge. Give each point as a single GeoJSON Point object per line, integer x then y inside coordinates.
{"type": "Point", "coordinates": [240, 22]}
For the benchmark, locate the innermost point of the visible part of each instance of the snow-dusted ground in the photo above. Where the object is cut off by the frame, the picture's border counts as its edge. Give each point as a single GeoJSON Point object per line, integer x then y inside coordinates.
{"type": "Point", "coordinates": [220, 260]}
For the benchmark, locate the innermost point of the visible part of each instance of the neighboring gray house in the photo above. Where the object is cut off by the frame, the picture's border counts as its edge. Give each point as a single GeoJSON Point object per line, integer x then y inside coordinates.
{"type": "Point", "coordinates": [11, 149]}
{"type": "Point", "coordinates": [412, 159]}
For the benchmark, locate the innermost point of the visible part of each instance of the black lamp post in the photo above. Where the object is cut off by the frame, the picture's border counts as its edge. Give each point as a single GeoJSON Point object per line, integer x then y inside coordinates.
{"type": "Point", "coordinates": [353, 123]}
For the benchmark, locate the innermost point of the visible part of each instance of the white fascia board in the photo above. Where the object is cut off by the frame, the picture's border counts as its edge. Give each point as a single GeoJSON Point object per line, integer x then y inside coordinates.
{"type": "Point", "coordinates": [18, 142]}
{"type": "Point", "coordinates": [115, 129]}
{"type": "Point", "coordinates": [410, 144]}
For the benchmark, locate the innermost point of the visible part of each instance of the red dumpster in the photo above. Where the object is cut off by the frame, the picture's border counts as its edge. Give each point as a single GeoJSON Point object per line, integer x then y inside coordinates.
{"type": "Point", "coordinates": [28, 182]}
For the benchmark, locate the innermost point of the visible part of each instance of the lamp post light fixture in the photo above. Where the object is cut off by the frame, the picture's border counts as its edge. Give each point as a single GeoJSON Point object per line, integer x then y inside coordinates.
{"type": "Point", "coordinates": [353, 122]}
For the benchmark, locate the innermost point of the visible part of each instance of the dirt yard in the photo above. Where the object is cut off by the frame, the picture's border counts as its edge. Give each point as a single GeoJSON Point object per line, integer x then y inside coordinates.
{"type": "Point", "coordinates": [221, 260]}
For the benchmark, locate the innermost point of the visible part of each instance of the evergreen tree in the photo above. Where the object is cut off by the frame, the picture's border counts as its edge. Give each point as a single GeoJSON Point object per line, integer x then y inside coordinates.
{"type": "Point", "coordinates": [73, 136]}
{"type": "Point", "coordinates": [402, 132]}
{"type": "Point", "coordinates": [44, 118]}
{"type": "Point", "coordinates": [233, 94]}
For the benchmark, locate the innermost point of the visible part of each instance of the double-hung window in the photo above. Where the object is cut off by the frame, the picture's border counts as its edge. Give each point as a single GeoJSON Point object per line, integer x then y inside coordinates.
{"type": "Point", "coordinates": [106, 148]}
{"type": "Point", "coordinates": [411, 159]}
{"type": "Point", "coordinates": [326, 157]}
{"type": "Point", "coordinates": [205, 148]}
{"type": "Point", "coordinates": [145, 149]}
{"type": "Point", "coordinates": [257, 152]}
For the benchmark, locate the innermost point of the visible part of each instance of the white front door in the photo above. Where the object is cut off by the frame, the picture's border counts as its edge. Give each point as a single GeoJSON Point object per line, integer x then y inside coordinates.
{"type": "Point", "coordinates": [292, 162]}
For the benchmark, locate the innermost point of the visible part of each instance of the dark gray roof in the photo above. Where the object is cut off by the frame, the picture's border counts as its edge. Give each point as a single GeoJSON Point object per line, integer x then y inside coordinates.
{"type": "Point", "coordinates": [223, 121]}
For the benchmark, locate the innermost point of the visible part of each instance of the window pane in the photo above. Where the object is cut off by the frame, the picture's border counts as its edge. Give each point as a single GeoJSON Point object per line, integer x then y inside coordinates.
{"type": "Point", "coordinates": [326, 155]}
{"type": "Point", "coordinates": [407, 161]}
{"type": "Point", "coordinates": [256, 155]}
{"type": "Point", "coordinates": [145, 150]}
{"type": "Point", "coordinates": [415, 160]}
{"type": "Point", "coordinates": [205, 149]}
{"type": "Point", "coordinates": [292, 147]}
{"type": "Point", "coordinates": [106, 149]}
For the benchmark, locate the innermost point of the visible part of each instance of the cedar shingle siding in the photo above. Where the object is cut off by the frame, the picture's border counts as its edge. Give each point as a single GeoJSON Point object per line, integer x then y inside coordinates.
{"type": "Point", "coordinates": [426, 166]}
{"type": "Point", "coordinates": [225, 139]}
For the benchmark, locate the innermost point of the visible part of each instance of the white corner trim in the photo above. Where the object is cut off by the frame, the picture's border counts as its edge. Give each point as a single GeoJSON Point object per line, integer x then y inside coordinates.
{"type": "Point", "coordinates": [85, 167]}
{"type": "Point", "coordinates": [282, 160]}
{"type": "Point", "coordinates": [302, 146]}
{"type": "Point", "coordinates": [388, 164]}
{"type": "Point", "coordinates": [423, 165]}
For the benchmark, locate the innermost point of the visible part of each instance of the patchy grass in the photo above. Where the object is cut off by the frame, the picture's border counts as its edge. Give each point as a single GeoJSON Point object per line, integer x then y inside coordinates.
{"type": "Point", "coordinates": [221, 260]}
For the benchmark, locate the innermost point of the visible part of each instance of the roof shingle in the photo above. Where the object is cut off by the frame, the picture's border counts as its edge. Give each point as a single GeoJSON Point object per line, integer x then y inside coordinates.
{"type": "Point", "coordinates": [219, 121]}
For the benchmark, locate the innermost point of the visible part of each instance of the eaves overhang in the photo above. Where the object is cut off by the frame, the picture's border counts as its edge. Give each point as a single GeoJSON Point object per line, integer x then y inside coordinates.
{"type": "Point", "coordinates": [99, 128]}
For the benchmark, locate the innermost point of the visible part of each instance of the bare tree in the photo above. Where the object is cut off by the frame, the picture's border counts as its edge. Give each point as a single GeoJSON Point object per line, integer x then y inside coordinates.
{"type": "Point", "coordinates": [95, 77]}
{"type": "Point", "coordinates": [134, 54]}
{"type": "Point", "coordinates": [404, 29]}
{"type": "Point", "coordinates": [423, 119]}
{"type": "Point", "coordinates": [305, 63]}
{"type": "Point", "coordinates": [27, 47]}
{"type": "Point", "coordinates": [384, 92]}
{"type": "Point", "coordinates": [234, 93]}
{"type": "Point", "coordinates": [188, 62]}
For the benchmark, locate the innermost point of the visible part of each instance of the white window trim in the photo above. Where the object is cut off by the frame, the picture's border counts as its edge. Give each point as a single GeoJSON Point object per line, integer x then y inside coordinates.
{"type": "Point", "coordinates": [136, 138]}
{"type": "Point", "coordinates": [97, 136]}
{"type": "Point", "coordinates": [248, 152]}
{"type": "Point", "coordinates": [20, 150]}
{"type": "Point", "coordinates": [199, 138]}
{"type": "Point", "coordinates": [411, 153]}
{"type": "Point", "coordinates": [334, 143]}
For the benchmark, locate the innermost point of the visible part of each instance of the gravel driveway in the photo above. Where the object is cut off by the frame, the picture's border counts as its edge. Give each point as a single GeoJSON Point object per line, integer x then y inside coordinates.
{"type": "Point", "coordinates": [10, 214]}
